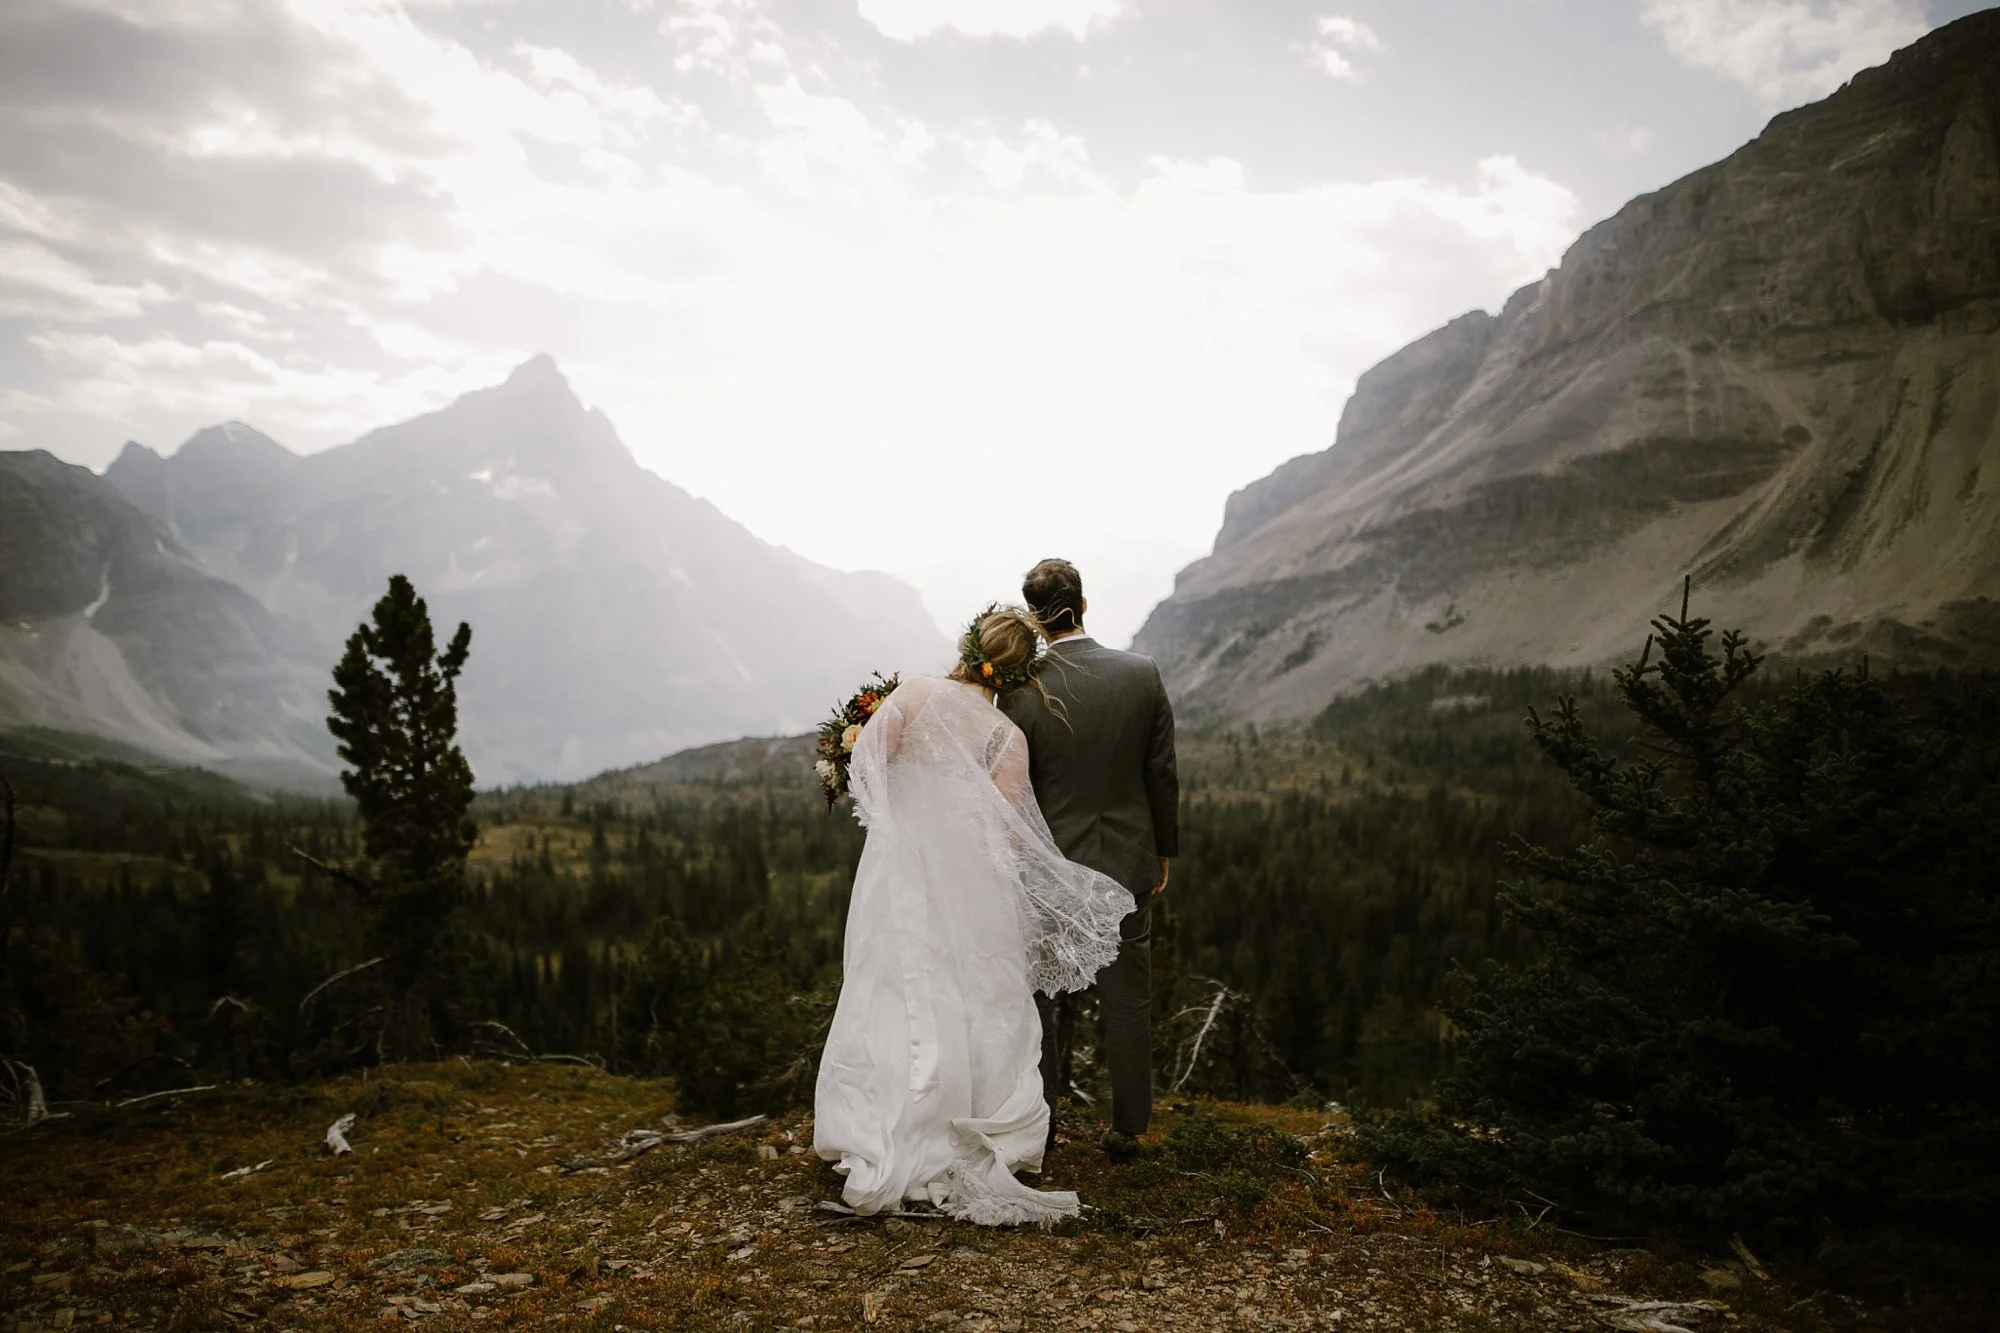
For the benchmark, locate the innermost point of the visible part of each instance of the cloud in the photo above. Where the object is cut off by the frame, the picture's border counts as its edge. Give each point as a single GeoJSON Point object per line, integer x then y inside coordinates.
{"type": "Point", "coordinates": [37, 283]}
{"type": "Point", "coordinates": [1339, 37]}
{"type": "Point", "coordinates": [1623, 139]}
{"type": "Point", "coordinates": [1785, 51]}
{"type": "Point", "coordinates": [222, 379]}
{"type": "Point", "coordinates": [909, 20]}
{"type": "Point", "coordinates": [747, 243]}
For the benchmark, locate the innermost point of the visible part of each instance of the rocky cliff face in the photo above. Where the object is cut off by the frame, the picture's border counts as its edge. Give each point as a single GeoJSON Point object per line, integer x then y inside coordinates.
{"type": "Point", "coordinates": [109, 625]}
{"type": "Point", "coordinates": [1780, 375]}
{"type": "Point", "coordinates": [615, 617]}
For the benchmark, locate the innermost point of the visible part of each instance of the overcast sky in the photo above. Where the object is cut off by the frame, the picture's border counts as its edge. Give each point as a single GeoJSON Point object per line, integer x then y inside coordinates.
{"type": "Point", "coordinates": [932, 286]}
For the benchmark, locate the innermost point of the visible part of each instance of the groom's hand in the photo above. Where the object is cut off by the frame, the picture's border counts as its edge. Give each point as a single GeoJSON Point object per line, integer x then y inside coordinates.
{"type": "Point", "coordinates": [1161, 887]}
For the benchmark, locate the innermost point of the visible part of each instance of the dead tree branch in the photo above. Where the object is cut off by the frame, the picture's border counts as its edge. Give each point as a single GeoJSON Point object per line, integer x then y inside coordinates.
{"type": "Point", "coordinates": [234, 1002]}
{"type": "Point", "coordinates": [27, 1092]}
{"type": "Point", "coordinates": [155, 1096]}
{"type": "Point", "coordinates": [347, 877]}
{"type": "Point", "coordinates": [1223, 995]}
{"type": "Point", "coordinates": [530, 1053]}
{"type": "Point", "coordinates": [510, 1034]}
{"type": "Point", "coordinates": [584, 1060]}
{"type": "Point", "coordinates": [338, 976]}
{"type": "Point", "coordinates": [710, 1131]}
{"type": "Point", "coordinates": [638, 1142]}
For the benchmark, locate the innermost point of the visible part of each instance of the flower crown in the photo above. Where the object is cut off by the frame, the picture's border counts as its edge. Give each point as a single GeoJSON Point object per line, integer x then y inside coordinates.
{"type": "Point", "coordinates": [983, 668]}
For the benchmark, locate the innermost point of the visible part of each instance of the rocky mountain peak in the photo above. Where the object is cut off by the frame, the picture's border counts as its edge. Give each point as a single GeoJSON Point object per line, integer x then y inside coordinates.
{"type": "Point", "coordinates": [535, 390]}
{"type": "Point", "coordinates": [236, 448]}
{"type": "Point", "coordinates": [1779, 374]}
{"type": "Point", "coordinates": [137, 455]}
{"type": "Point", "coordinates": [538, 374]}
{"type": "Point", "coordinates": [616, 617]}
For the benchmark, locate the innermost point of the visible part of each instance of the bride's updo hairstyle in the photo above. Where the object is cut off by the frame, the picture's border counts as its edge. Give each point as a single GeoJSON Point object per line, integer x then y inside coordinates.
{"type": "Point", "coordinates": [998, 649]}
{"type": "Point", "coordinates": [1003, 649]}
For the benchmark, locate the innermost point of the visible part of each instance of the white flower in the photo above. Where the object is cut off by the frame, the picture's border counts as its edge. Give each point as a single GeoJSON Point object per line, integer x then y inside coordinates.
{"type": "Point", "coordinates": [849, 737]}
{"type": "Point", "coordinates": [826, 770]}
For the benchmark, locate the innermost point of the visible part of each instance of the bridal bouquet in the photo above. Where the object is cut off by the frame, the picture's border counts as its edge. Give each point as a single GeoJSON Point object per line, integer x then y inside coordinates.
{"type": "Point", "coordinates": [839, 734]}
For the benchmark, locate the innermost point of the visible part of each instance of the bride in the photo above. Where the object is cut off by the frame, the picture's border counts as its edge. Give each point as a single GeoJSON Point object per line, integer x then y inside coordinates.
{"type": "Point", "coordinates": [930, 1086]}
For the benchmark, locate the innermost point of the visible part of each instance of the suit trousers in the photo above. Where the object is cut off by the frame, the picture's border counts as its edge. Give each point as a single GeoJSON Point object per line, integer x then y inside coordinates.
{"type": "Point", "coordinates": [1125, 1003]}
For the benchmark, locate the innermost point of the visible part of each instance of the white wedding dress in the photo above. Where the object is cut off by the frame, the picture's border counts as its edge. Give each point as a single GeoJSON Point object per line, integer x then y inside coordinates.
{"type": "Point", "coordinates": [930, 1086]}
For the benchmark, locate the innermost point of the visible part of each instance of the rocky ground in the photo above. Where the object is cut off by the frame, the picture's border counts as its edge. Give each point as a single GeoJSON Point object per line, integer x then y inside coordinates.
{"type": "Point", "coordinates": [470, 1199]}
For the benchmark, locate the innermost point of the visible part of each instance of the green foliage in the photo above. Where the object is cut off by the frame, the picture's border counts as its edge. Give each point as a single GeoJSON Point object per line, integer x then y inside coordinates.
{"type": "Point", "coordinates": [1219, 1167]}
{"type": "Point", "coordinates": [395, 714]}
{"type": "Point", "coordinates": [1203, 1143]}
{"type": "Point", "coordinates": [723, 1023]}
{"type": "Point", "coordinates": [1764, 995]}
{"type": "Point", "coordinates": [1341, 919]}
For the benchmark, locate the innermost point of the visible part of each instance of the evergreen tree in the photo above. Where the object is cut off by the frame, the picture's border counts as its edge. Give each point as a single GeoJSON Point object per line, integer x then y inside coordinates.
{"type": "Point", "coordinates": [726, 1025]}
{"type": "Point", "coordinates": [395, 713]}
{"type": "Point", "coordinates": [1766, 993]}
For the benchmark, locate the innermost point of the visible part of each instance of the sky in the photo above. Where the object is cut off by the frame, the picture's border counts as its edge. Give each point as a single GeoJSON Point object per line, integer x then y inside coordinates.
{"type": "Point", "coordinates": [932, 286]}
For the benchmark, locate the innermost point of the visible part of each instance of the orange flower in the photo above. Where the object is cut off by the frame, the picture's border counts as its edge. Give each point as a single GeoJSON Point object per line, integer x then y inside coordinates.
{"type": "Point", "coordinates": [986, 669]}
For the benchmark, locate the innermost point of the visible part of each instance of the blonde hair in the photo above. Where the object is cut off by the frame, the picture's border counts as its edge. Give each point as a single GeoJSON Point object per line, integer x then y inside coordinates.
{"type": "Point", "coordinates": [1011, 638]}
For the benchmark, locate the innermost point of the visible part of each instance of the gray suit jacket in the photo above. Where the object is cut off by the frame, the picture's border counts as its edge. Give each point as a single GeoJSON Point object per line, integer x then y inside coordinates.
{"type": "Point", "coordinates": [1105, 781]}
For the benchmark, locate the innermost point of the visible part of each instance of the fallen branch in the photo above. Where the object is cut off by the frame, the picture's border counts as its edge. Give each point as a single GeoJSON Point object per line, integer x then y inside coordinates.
{"type": "Point", "coordinates": [341, 975]}
{"type": "Point", "coordinates": [1382, 1184]}
{"type": "Point", "coordinates": [1221, 997]}
{"type": "Point", "coordinates": [27, 1092]}
{"type": "Point", "coordinates": [1652, 1316]}
{"type": "Point", "coordinates": [847, 1214]}
{"type": "Point", "coordinates": [1749, 1259]}
{"type": "Point", "coordinates": [638, 1142]}
{"type": "Point", "coordinates": [709, 1131]}
{"type": "Point", "coordinates": [155, 1096]}
{"type": "Point", "coordinates": [1534, 1219]}
{"type": "Point", "coordinates": [529, 1053]}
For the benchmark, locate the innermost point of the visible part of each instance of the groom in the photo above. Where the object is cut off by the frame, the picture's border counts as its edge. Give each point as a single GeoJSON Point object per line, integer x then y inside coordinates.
{"type": "Point", "coordinates": [1103, 773]}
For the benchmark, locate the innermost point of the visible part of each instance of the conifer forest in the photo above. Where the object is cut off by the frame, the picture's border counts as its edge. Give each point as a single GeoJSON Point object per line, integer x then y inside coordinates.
{"type": "Point", "coordinates": [1644, 920]}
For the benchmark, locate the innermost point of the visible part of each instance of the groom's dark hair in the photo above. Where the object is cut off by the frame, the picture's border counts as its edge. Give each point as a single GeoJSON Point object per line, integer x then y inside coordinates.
{"type": "Point", "coordinates": [1053, 590]}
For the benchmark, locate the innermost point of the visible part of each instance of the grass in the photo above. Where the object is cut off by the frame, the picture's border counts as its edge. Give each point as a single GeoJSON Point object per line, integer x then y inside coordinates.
{"type": "Point", "coordinates": [1235, 1217]}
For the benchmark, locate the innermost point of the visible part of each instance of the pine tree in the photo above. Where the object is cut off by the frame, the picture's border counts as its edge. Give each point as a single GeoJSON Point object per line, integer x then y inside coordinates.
{"type": "Point", "coordinates": [1766, 992]}
{"type": "Point", "coordinates": [395, 714]}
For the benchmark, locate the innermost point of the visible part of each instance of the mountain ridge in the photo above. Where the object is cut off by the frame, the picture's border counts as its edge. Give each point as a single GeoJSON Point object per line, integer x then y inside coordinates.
{"type": "Point", "coordinates": [1776, 375]}
{"type": "Point", "coordinates": [616, 617]}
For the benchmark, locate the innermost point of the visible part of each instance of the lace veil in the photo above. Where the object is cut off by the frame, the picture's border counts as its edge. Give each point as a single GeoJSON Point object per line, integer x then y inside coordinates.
{"type": "Point", "coordinates": [940, 779]}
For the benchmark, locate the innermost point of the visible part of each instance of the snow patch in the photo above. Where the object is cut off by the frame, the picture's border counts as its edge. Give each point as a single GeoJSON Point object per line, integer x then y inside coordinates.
{"type": "Point", "coordinates": [103, 593]}
{"type": "Point", "coordinates": [511, 485]}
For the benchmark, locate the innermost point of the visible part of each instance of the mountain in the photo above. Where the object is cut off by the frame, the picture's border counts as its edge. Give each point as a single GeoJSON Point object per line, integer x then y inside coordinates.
{"type": "Point", "coordinates": [108, 625]}
{"type": "Point", "coordinates": [615, 617]}
{"type": "Point", "coordinates": [1779, 375]}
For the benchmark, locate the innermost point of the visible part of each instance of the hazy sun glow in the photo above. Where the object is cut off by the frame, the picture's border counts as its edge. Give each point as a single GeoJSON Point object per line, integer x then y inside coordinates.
{"type": "Point", "coordinates": [934, 287]}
